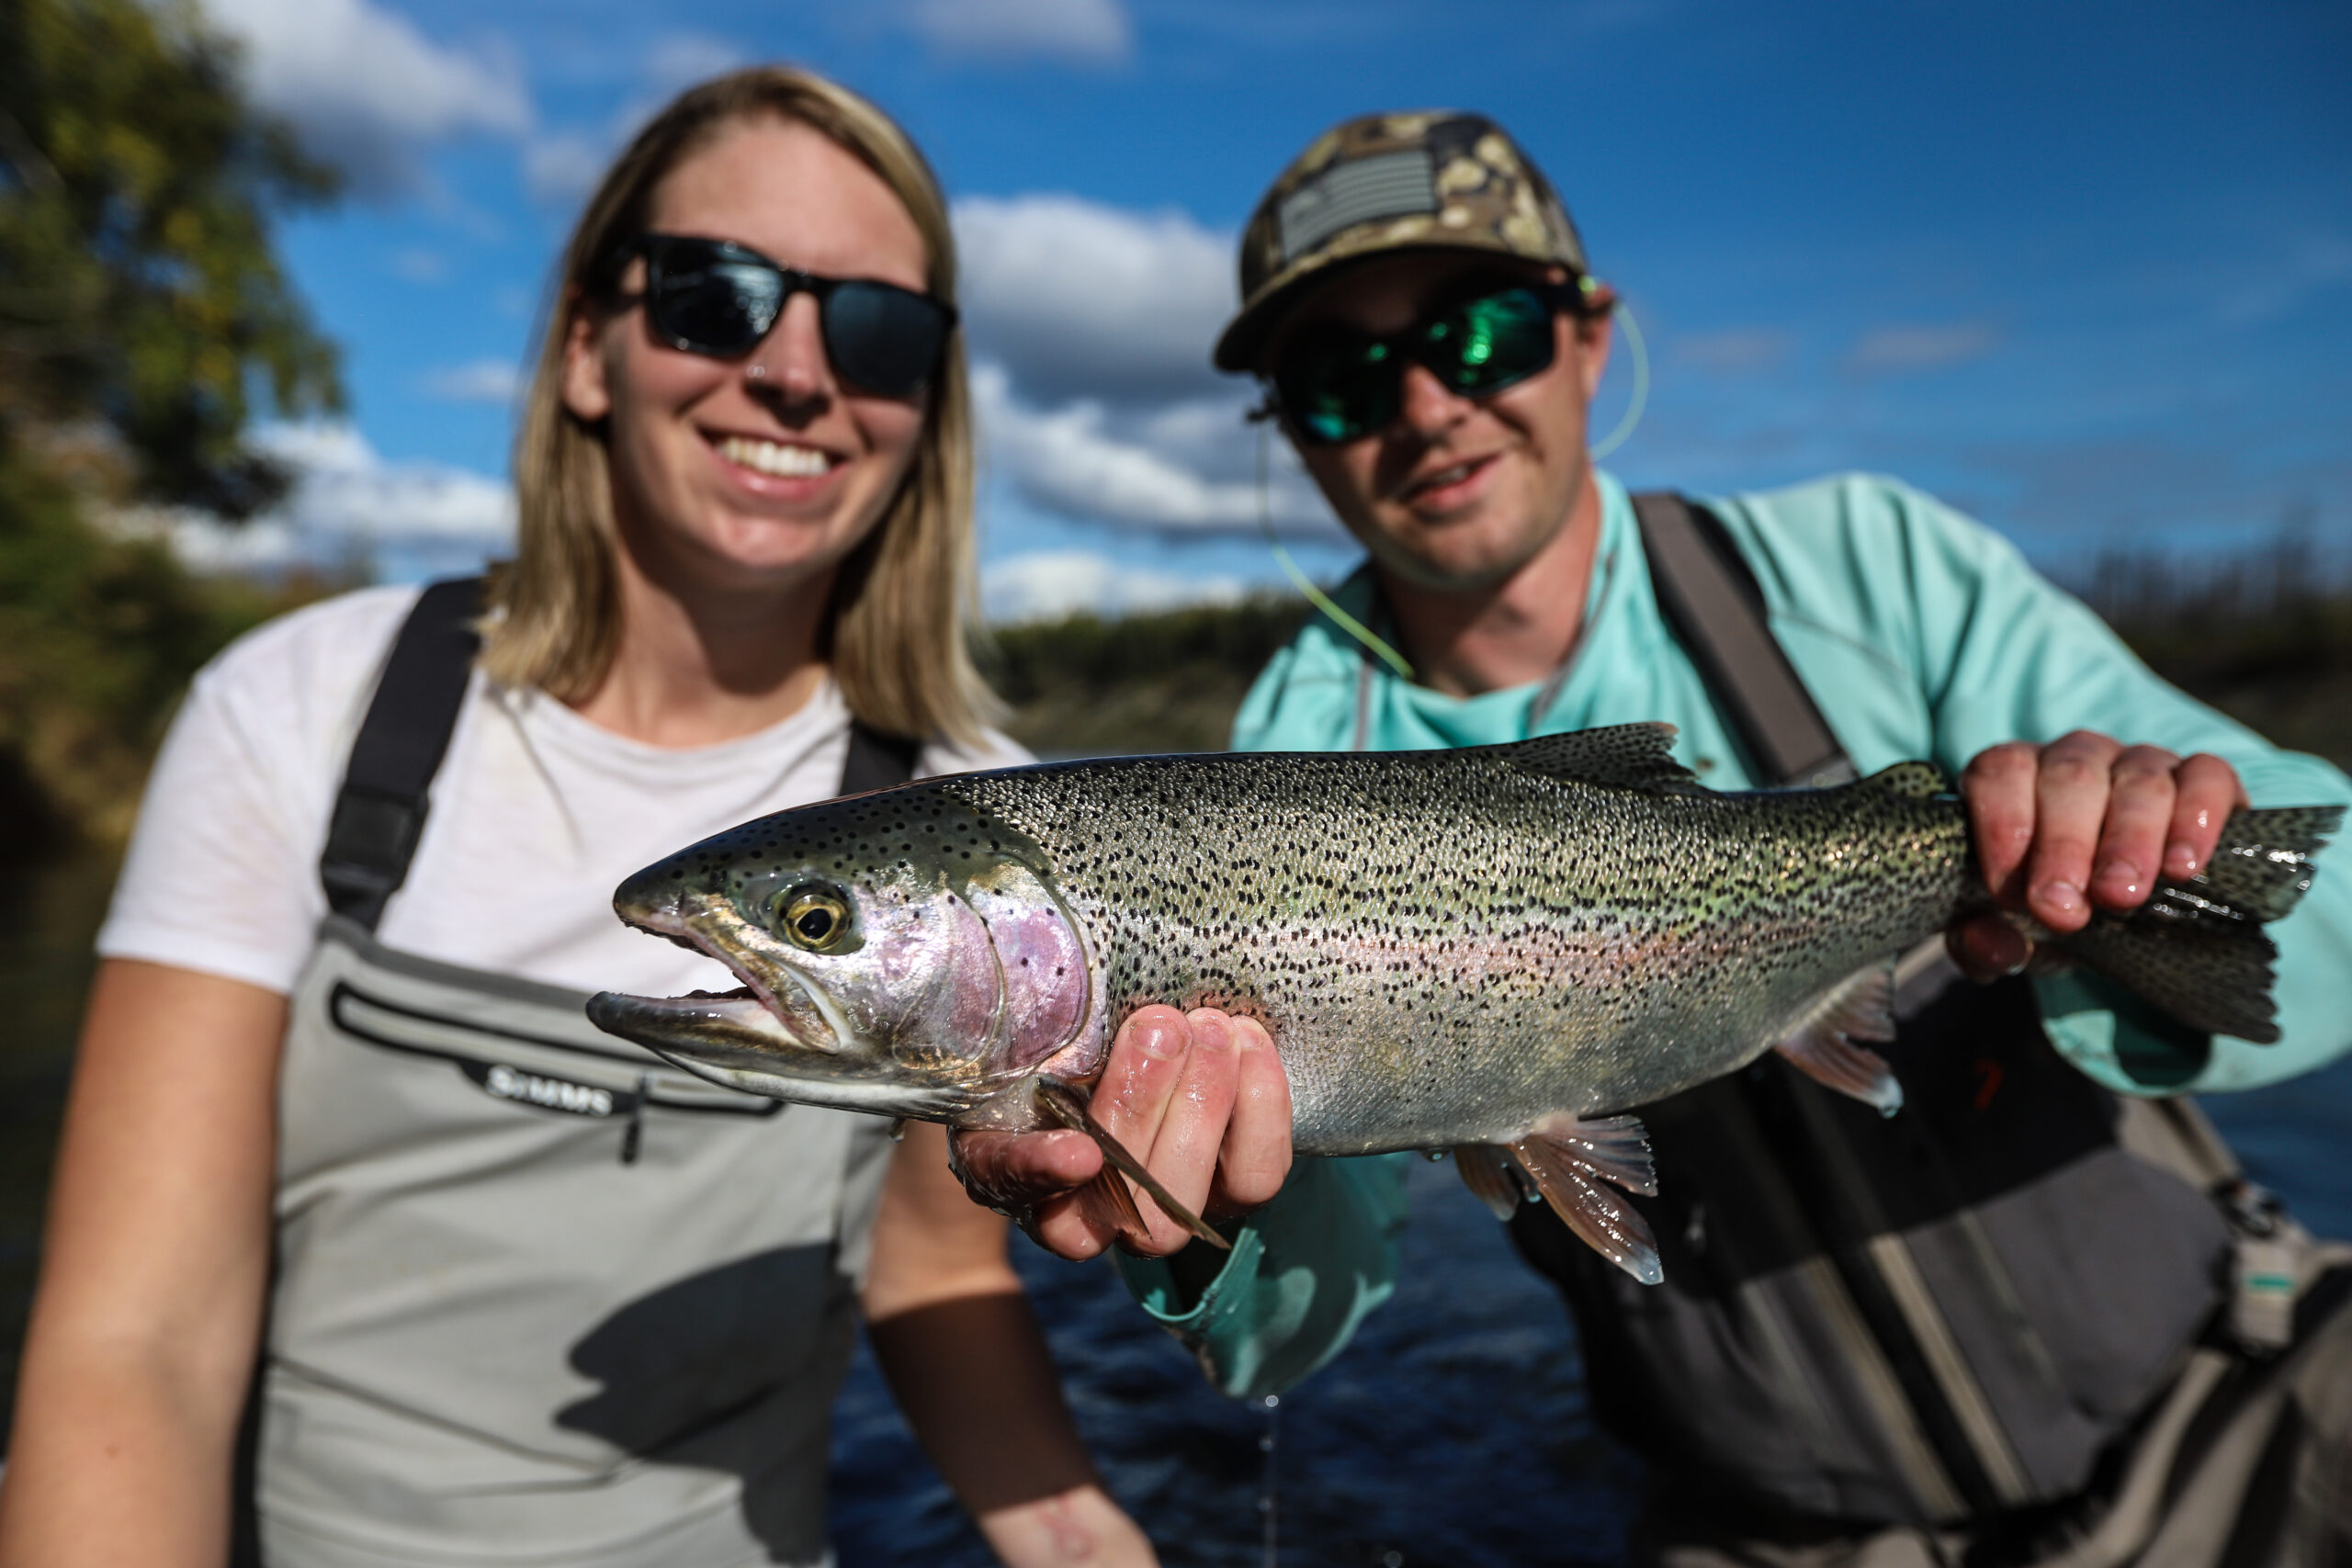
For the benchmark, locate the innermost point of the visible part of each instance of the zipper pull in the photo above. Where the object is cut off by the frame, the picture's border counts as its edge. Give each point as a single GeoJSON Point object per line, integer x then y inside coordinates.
{"type": "Point", "coordinates": [635, 1134]}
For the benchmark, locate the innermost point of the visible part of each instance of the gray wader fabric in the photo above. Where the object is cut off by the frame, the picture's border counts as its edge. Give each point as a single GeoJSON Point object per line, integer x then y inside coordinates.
{"type": "Point", "coordinates": [538, 1298]}
{"type": "Point", "coordinates": [1970, 1315]}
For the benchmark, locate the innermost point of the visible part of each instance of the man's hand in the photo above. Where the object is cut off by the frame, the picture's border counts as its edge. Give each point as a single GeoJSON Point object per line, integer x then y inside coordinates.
{"type": "Point", "coordinates": [1200, 1099]}
{"type": "Point", "coordinates": [2084, 823]}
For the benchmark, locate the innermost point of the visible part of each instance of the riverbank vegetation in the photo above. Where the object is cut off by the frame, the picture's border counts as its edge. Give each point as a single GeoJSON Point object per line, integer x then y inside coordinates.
{"type": "Point", "coordinates": [144, 321]}
{"type": "Point", "coordinates": [2267, 639]}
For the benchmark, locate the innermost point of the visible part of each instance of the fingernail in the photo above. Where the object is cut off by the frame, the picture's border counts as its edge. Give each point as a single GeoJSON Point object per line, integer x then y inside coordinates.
{"type": "Point", "coordinates": [1160, 1040]}
{"type": "Point", "coordinates": [2121, 878]}
{"type": "Point", "coordinates": [2180, 859]}
{"type": "Point", "coordinates": [1211, 1031]}
{"type": "Point", "coordinates": [2063, 897]}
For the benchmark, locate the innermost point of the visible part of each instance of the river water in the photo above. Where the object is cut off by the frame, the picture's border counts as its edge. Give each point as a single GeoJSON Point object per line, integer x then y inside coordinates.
{"type": "Point", "coordinates": [1452, 1431]}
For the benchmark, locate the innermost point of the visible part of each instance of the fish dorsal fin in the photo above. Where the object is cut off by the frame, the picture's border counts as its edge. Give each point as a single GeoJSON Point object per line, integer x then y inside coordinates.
{"type": "Point", "coordinates": [1625, 756]}
{"type": "Point", "coordinates": [1912, 781]}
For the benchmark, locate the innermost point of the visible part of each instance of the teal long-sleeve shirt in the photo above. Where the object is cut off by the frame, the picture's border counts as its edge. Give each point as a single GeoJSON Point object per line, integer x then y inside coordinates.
{"type": "Point", "coordinates": [1920, 634]}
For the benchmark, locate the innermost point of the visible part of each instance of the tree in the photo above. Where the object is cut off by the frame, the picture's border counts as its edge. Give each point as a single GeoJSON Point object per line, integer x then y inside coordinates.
{"type": "Point", "coordinates": [138, 289]}
{"type": "Point", "coordinates": [143, 320]}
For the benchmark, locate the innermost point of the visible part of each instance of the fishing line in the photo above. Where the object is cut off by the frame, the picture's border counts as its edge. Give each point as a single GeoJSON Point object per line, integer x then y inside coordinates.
{"type": "Point", "coordinates": [1632, 415]}
{"type": "Point", "coordinates": [1300, 580]}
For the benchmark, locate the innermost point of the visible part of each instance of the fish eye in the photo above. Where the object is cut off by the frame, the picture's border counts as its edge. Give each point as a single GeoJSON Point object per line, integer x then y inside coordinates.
{"type": "Point", "coordinates": [813, 917]}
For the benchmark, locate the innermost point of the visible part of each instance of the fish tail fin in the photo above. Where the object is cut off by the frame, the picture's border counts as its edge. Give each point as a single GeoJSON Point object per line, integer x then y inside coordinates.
{"type": "Point", "coordinates": [2197, 948]}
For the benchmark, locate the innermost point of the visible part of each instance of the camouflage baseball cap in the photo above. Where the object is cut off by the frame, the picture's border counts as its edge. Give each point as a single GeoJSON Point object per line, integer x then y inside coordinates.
{"type": "Point", "coordinates": [1432, 178]}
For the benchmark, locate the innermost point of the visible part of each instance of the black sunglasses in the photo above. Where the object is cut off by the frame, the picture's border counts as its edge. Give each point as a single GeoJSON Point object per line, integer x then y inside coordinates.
{"type": "Point", "coordinates": [717, 298]}
{"type": "Point", "coordinates": [1333, 385]}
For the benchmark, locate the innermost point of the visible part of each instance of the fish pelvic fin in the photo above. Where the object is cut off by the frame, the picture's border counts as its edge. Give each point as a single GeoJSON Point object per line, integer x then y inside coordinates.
{"type": "Point", "coordinates": [1624, 756]}
{"type": "Point", "coordinates": [1571, 1163]}
{"type": "Point", "coordinates": [2197, 949]}
{"type": "Point", "coordinates": [1487, 1171]}
{"type": "Point", "coordinates": [1065, 1106]}
{"type": "Point", "coordinates": [1823, 1045]}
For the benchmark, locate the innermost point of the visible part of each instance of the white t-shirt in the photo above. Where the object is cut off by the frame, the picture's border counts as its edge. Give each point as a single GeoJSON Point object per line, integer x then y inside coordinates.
{"type": "Point", "coordinates": [537, 814]}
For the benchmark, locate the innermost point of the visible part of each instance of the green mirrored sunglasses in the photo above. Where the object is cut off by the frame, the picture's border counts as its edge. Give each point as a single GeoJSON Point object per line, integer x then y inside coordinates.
{"type": "Point", "coordinates": [1335, 386]}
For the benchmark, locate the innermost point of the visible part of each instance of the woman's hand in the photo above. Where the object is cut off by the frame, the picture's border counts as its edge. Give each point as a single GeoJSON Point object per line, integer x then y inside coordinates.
{"type": "Point", "coordinates": [2080, 824]}
{"type": "Point", "coordinates": [1200, 1099]}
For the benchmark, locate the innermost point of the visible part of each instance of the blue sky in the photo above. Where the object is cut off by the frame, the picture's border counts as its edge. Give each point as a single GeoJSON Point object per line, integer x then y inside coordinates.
{"type": "Point", "coordinates": [2083, 269]}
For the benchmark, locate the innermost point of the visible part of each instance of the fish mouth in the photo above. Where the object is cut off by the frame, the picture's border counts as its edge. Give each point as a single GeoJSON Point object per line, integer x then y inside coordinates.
{"type": "Point", "coordinates": [750, 1040]}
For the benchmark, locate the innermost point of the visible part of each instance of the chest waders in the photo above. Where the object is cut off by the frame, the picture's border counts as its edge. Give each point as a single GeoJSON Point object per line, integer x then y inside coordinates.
{"type": "Point", "coordinates": [538, 1297]}
{"type": "Point", "coordinates": [2019, 1291]}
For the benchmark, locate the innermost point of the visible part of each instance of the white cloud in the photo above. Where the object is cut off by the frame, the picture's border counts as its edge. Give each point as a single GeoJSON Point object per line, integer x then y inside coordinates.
{"type": "Point", "coordinates": [1084, 32]}
{"type": "Point", "coordinates": [414, 264]}
{"type": "Point", "coordinates": [1185, 468]}
{"type": "Point", "coordinates": [563, 167]}
{"type": "Point", "coordinates": [1049, 584]}
{"type": "Point", "coordinates": [366, 89]}
{"type": "Point", "coordinates": [403, 521]}
{"type": "Point", "coordinates": [1091, 329]}
{"type": "Point", "coordinates": [1077, 299]}
{"type": "Point", "coordinates": [1922, 347]}
{"type": "Point", "coordinates": [1735, 351]}
{"type": "Point", "coordinates": [681, 59]}
{"type": "Point", "coordinates": [480, 381]}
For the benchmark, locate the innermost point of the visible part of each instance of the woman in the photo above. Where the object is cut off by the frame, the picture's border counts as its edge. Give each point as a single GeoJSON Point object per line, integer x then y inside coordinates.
{"type": "Point", "coordinates": [529, 1296]}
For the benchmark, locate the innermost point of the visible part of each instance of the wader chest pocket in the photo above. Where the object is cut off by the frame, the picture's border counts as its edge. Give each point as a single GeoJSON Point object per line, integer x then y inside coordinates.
{"type": "Point", "coordinates": [534, 1070]}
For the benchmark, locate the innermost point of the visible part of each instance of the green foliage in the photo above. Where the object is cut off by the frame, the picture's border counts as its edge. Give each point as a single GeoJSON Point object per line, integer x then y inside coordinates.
{"type": "Point", "coordinates": [1164, 682]}
{"type": "Point", "coordinates": [142, 316]}
{"type": "Point", "coordinates": [138, 288]}
{"type": "Point", "coordinates": [97, 637]}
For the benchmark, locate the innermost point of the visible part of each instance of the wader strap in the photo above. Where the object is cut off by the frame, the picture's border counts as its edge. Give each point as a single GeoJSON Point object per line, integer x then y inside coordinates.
{"type": "Point", "coordinates": [1714, 607]}
{"type": "Point", "coordinates": [876, 761]}
{"type": "Point", "coordinates": [379, 813]}
{"type": "Point", "coordinates": [1872, 1294]}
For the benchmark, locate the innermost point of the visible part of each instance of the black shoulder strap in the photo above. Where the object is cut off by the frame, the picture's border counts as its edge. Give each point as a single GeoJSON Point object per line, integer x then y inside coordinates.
{"type": "Point", "coordinates": [381, 812]}
{"type": "Point", "coordinates": [876, 761]}
{"type": "Point", "coordinates": [1715, 608]}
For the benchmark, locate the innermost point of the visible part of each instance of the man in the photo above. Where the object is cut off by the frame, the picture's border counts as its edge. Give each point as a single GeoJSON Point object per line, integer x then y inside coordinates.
{"type": "Point", "coordinates": [1981, 1326]}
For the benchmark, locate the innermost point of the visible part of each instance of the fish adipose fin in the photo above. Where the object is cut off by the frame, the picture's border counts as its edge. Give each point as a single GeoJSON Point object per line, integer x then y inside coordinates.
{"type": "Point", "coordinates": [1912, 781]}
{"type": "Point", "coordinates": [1625, 756]}
{"type": "Point", "coordinates": [1065, 1105]}
{"type": "Point", "coordinates": [2197, 948]}
{"type": "Point", "coordinates": [1822, 1046]}
{"type": "Point", "coordinates": [1570, 1163]}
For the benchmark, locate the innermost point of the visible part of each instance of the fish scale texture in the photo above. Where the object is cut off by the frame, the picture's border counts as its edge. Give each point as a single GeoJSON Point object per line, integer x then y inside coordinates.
{"type": "Point", "coordinates": [1452, 945]}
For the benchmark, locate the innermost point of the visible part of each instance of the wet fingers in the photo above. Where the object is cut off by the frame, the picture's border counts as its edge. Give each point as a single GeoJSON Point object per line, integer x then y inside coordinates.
{"type": "Point", "coordinates": [2207, 790]}
{"type": "Point", "coordinates": [2139, 817]}
{"type": "Point", "coordinates": [1256, 1153]}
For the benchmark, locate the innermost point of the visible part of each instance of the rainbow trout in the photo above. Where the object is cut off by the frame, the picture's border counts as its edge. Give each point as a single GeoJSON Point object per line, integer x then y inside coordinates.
{"type": "Point", "coordinates": [1495, 950]}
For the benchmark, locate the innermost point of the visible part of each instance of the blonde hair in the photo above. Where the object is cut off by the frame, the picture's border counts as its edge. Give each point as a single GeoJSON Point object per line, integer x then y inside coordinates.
{"type": "Point", "coordinates": [896, 630]}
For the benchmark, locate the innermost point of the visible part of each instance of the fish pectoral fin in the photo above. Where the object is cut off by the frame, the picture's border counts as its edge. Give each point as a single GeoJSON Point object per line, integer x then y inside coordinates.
{"type": "Point", "coordinates": [1065, 1105]}
{"type": "Point", "coordinates": [1822, 1046]}
{"type": "Point", "coordinates": [1486, 1170]}
{"type": "Point", "coordinates": [1600, 1218]}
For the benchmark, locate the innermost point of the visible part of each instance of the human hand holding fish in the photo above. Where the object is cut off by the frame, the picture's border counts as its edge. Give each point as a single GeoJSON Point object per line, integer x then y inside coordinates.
{"type": "Point", "coordinates": [1200, 1099]}
{"type": "Point", "coordinates": [1499, 950]}
{"type": "Point", "coordinates": [2082, 824]}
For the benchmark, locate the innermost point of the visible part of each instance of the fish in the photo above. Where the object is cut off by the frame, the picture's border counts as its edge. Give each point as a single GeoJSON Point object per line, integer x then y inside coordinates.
{"type": "Point", "coordinates": [1497, 951]}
